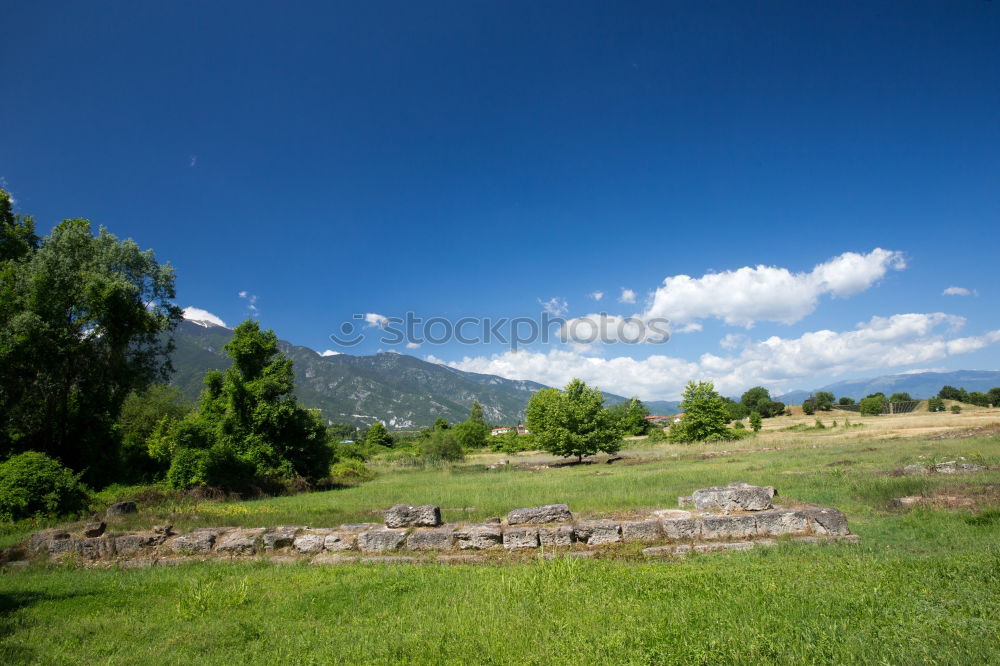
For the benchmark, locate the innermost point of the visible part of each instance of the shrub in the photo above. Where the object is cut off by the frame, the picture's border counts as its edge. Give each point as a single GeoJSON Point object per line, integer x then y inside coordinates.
{"type": "Point", "coordinates": [809, 407]}
{"type": "Point", "coordinates": [956, 409]}
{"type": "Point", "coordinates": [658, 434]}
{"type": "Point", "coordinates": [935, 405]}
{"type": "Point", "coordinates": [441, 446]}
{"type": "Point", "coordinates": [755, 422]}
{"type": "Point", "coordinates": [32, 483]}
{"type": "Point", "coordinates": [873, 406]}
{"type": "Point", "coordinates": [350, 471]}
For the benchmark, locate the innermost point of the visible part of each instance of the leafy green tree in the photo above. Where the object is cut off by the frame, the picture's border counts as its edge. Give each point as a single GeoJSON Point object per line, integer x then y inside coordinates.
{"type": "Point", "coordinates": [573, 422]}
{"type": "Point", "coordinates": [378, 436]}
{"type": "Point", "coordinates": [809, 407]}
{"type": "Point", "coordinates": [338, 432]}
{"type": "Point", "coordinates": [873, 405]}
{"type": "Point", "coordinates": [471, 435]}
{"type": "Point", "coordinates": [441, 446]}
{"type": "Point", "coordinates": [705, 414]}
{"type": "Point", "coordinates": [845, 401]}
{"type": "Point", "coordinates": [631, 416]}
{"type": "Point", "coordinates": [901, 396]}
{"type": "Point", "coordinates": [476, 414]}
{"type": "Point", "coordinates": [935, 405]}
{"type": "Point", "coordinates": [441, 423]}
{"type": "Point", "coordinates": [141, 413]}
{"type": "Point", "coordinates": [33, 484]}
{"type": "Point", "coordinates": [249, 427]}
{"type": "Point", "coordinates": [758, 399]}
{"type": "Point", "coordinates": [755, 422]}
{"type": "Point", "coordinates": [951, 393]}
{"type": "Point", "coordinates": [994, 396]}
{"type": "Point", "coordinates": [84, 321]}
{"type": "Point", "coordinates": [979, 399]}
{"type": "Point", "coordinates": [737, 410]}
{"type": "Point", "coordinates": [823, 400]}
{"type": "Point", "coordinates": [17, 232]}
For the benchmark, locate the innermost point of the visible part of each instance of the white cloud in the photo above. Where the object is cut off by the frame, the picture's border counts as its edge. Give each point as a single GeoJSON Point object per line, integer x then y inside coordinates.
{"type": "Point", "coordinates": [194, 160]}
{"type": "Point", "coordinates": [881, 342]}
{"type": "Point", "coordinates": [628, 296]}
{"type": "Point", "coordinates": [597, 295]}
{"type": "Point", "coordinates": [609, 329]}
{"type": "Point", "coordinates": [959, 291]}
{"type": "Point", "coordinates": [330, 352]}
{"type": "Point", "coordinates": [555, 306]}
{"type": "Point", "coordinates": [202, 316]}
{"type": "Point", "coordinates": [747, 295]}
{"type": "Point", "coordinates": [413, 345]}
{"type": "Point", "coordinates": [251, 300]}
{"type": "Point", "coordinates": [373, 319]}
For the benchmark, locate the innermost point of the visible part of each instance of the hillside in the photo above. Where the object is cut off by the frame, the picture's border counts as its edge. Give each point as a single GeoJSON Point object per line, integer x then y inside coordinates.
{"type": "Point", "coordinates": [404, 391]}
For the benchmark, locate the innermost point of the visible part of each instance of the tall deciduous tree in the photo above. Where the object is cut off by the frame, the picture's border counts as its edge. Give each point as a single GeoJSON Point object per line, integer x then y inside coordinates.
{"type": "Point", "coordinates": [84, 321]}
{"type": "Point", "coordinates": [631, 416]}
{"type": "Point", "coordinates": [573, 422]}
{"type": "Point", "coordinates": [705, 414]}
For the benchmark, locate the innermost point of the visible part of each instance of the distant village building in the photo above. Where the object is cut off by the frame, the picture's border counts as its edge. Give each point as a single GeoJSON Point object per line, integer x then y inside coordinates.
{"type": "Point", "coordinates": [503, 430]}
{"type": "Point", "coordinates": [665, 420]}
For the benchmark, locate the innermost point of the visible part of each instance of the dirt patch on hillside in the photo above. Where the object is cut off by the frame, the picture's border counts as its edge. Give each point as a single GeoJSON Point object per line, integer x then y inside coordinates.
{"type": "Point", "coordinates": [991, 430]}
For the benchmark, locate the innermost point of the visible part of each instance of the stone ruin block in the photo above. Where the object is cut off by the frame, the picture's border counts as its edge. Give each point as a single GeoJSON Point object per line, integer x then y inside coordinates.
{"type": "Point", "coordinates": [282, 536]}
{"type": "Point", "coordinates": [734, 497]}
{"type": "Point", "coordinates": [516, 538]}
{"type": "Point", "coordinates": [404, 515]}
{"type": "Point", "coordinates": [681, 529]}
{"type": "Point", "coordinates": [340, 540]}
{"type": "Point", "coordinates": [598, 532]}
{"type": "Point", "coordinates": [381, 539]}
{"type": "Point", "coordinates": [915, 469]}
{"type": "Point", "coordinates": [239, 541]}
{"type": "Point", "coordinates": [550, 513]}
{"type": "Point", "coordinates": [642, 530]}
{"type": "Point", "coordinates": [781, 521]}
{"type": "Point", "coordinates": [431, 539]}
{"type": "Point", "coordinates": [94, 529]}
{"type": "Point", "coordinates": [556, 536]}
{"type": "Point", "coordinates": [310, 540]}
{"type": "Point", "coordinates": [39, 541]}
{"type": "Point", "coordinates": [479, 537]}
{"type": "Point", "coordinates": [133, 543]}
{"type": "Point", "coordinates": [728, 527]}
{"type": "Point", "coordinates": [826, 521]}
{"type": "Point", "coordinates": [121, 509]}
{"type": "Point", "coordinates": [198, 541]}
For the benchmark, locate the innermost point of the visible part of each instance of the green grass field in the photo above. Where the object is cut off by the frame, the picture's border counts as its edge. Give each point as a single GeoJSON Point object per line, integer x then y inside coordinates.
{"type": "Point", "coordinates": [923, 587]}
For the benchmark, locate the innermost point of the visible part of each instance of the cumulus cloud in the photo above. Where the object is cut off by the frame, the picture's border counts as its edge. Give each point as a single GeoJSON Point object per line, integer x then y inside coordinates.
{"type": "Point", "coordinates": [202, 316]}
{"type": "Point", "coordinates": [597, 295]}
{"type": "Point", "coordinates": [413, 345]}
{"type": "Point", "coordinates": [555, 306]}
{"type": "Point", "coordinates": [603, 328]}
{"type": "Point", "coordinates": [881, 342]}
{"type": "Point", "coordinates": [958, 291]}
{"type": "Point", "coordinates": [627, 296]}
{"type": "Point", "coordinates": [251, 300]}
{"type": "Point", "coordinates": [330, 352]}
{"type": "Point", "coordinates": [750, 294]}
{"type": "Point", "coordinates": [373, 319]}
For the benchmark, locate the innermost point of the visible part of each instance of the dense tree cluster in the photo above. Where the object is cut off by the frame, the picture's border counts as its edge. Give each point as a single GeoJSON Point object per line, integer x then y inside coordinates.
{"type": "Point", "coordinates": [573, 422]}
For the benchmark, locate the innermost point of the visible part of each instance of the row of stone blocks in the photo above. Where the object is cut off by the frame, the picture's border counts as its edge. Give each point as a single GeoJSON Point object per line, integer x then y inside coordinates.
{"type": "Point", "coordinates": [673, 527]}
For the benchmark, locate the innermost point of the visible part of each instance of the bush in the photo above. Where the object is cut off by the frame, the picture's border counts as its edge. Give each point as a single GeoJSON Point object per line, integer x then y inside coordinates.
{"type": "Point", "coordinates": [956, 409]}
{"type": "Point", "coordinates": [350, 471]}
{"type": "Point", "coordinates": [755, 422]}
{"type": "Point", "coordinates": [873, 406]}
{"type": "Point", "coordinates": [935, 405]}
{"type": "Point", "coordinates": [658, 434]}
{"type": "Point", "coordinates": [809, 407]}
{"type": "Point", "coordinates": [33, 484]}
{"type": "Point", "coordinates": [441, 446]}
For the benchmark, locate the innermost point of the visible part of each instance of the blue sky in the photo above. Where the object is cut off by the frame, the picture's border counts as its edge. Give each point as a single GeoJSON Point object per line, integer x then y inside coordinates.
{"type": "Point", "coordinates": [479, 159]}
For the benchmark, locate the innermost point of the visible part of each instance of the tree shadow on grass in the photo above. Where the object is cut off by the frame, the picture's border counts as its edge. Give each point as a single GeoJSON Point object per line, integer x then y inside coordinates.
{"type": "Point", "coordinates": [11, 603]}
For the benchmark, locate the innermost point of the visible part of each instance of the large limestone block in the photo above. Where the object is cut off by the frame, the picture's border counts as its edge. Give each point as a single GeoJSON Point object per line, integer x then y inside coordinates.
{"type": "Point", "coordinates": [479, 537]}
{"type": "Point", "coordinates": [404, 515]}
{"type": "Point", "coordinates": [827, 521]}
{"type": "Point", "coordinates": [556, 536]}
{"type": "Point", "coordinates": [310, 541]}
{"type": "Point", "coordinates": [734, 497]}
{"type": "Point", "coordinates": [239, 541]}
{"type": "Point", "coordinates": [516, 538]}
{"type": "Point", "coordinates": [550, 513]}
{"type": "Point", "coordinates": [642, 530]}
{"type": "Point", "coordinates": [39, 541]}
{"type": "Point", "coordinates": [282, 536]}
{"type": "Point", "coordinates": [340, 540]}
{"type": "Point", "coordinates": [130, 544]}
{"type": "Point", "coordinates": [681, 529]}
{"type": "Point", "coordinates": [781, 521]}
{"type": "Point", "coordinates": [96, 547]}
{"type": "Point", "coordinates": [381, 539]}
{"type": "Point", "coordinates": [197, 541]}
{"type": "Point", "coordinates": [598, 532]}
{"type": "Point", "coordinates": [431, 539]}
{"type": "Point", "coordinates": [121, 509]}
{"type": "Point", "coordinates": [728, 527]}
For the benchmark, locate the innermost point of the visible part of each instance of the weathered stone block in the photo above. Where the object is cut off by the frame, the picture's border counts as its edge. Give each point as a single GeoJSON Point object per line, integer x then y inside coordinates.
{"type": "Point", "coordinates": [239, 541]}
{"type": "Point", "coordinates": [133, 543]}
{"type": "Point", "coordinates": [381, 539]}
{"type": "Point", "coordinates": [198, 541]}
{"type": "Point", "coordinates": [550, 513]}
{"type": "Point", "coordinates": [915, 469]}
{"type": "Point", "coordinates": [94, 529]}
{"type": "Point", "coordinates": [642, 530]}
{"type": "Point", "coordinates": [39, 541]}
{"type": "Point", "coordinates": [282, 536]}
{"type": "Point", "coordinates": [734, 545]}
{"type": "Point", "coordinates": [681, 529]}
{"type": "Point", "coordinates": [781, 521]}
{"type": "Point", "coordinates": [734, 497]}
{"type": "Point", "coordinates": [96, 547]}
{"type": "Point", "coordinates": [121, 509]}
{"type": "Point", "coordinates": [337, 541]}
{"type": "Point", "coordinates": [479, 537]}
{"type": "Point", "coordinates": [515, 538]}
{"type": "Point", "coordinates": [598, 532]}
{"type": "Point", "coordinates": [310, 541]}
{"type": "Point", "coordinates": [826, 521]}
{"type": "Point", "coordinates": [433, 539]}
{"type": "Point", "coordinates": [728, 527]}
{"type": "Point", "coordinates": [404, 515]}
{"type": "Point", "coordinates": [556, 536]}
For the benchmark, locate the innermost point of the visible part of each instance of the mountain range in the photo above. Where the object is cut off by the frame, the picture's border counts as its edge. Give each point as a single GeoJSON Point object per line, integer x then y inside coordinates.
{"type": "Point", "coordinates": [400, 390]}
{"type": "Point", "coordinates": [919, 385]}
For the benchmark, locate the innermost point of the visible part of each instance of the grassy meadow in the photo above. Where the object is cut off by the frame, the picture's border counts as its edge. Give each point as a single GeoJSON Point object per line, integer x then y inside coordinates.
{"type": "Point", "coordinates": [923, 586]}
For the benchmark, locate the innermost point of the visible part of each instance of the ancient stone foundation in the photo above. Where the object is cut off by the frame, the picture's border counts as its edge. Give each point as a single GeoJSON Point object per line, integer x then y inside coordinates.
{"type": "Point", "coordinates": [733, 517]}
